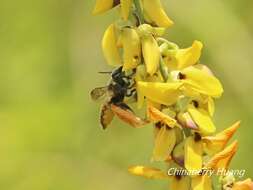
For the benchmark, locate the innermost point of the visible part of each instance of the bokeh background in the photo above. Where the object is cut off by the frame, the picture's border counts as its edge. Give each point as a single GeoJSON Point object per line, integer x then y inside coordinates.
{"type": "Point", "coordinates": [50, 54]}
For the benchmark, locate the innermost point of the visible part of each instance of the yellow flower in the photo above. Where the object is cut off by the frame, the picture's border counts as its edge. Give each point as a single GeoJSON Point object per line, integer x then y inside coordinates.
{"type": "Point", "coordinates": [155, 13]}
{"type": "Point", "coordinates": [198, 80]}
{"type": "Point", "coordinates": [105, 5]}
{"type": "Point", "coordinates": [182, 58]}
{"type": "Point", "coordinates": [214, 144]}
{"type": "Point", "coordinates": [162, 93]}
{"type": "Point", "coordinates": [176, 182]}
{"type": "Point", "coordinates": [190, 56]}
{"type": "Point", "coordinates": [148, 172]}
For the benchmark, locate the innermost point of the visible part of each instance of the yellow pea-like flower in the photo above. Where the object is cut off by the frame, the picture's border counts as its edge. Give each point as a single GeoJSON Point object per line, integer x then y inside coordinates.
{"type": "Point", "coordinates": [189, 56]}
{"type": "Point", "coordinates": [164, 143]}
{"type": "Point", "coordinates": [197, 80]}
{"type": "Point", "coordinates": [156, 13]}
{"type": "Point", "coordinates": [104, 5]}
{"type": "Point", "coordinates": [109, 46]}
{"type": "Point", "coordinates": [131, 48]}
{"type": "Point", "coordinates": [193, 154]}
{"type": "Point", "coordinates": [148, 172]}
{"type": "Point", "coordinates": [214, 144]}
{"type": "Point", "coordinates": [201, 183]}
{"type": "Point", "coordinates": [202, 119]}
{"type": "Point", "coordinates": [151, 53]}
{"type": "Point", "coordinates": [162, 93]}
{"type": "Point", "coordinates": [180, 182]}
{"type": "Point", "coordinates": [222, 159]}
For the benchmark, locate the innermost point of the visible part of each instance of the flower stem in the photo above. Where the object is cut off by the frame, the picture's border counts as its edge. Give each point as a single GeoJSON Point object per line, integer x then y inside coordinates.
{"type": "Point", "coordinates": [139, 11]}
{"type": "Point", "coordinates": [163, 70]}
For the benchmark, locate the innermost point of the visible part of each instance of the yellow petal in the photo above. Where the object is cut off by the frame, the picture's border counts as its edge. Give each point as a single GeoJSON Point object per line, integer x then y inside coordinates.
{"type": "Point", "coordinates": [222, 159]}
{"type": "Point", "coordinates": [216, 143]}
{"type": "Point", "coordinates": [162, 93]}
{"type": "Point", "coordinates": [131, 48]}
{"type": "Point", "coordinates": [190, 56]}
{"type": "Point", "coordinates": [164, 143]}
{"type": "Point", "coordinates": [201, 183]}
{"type": "Point", "coordinates": [180, 183]}
{"type": "Point", "coordinates": [193, 154]}
{"type": "Point", "coordinates": [148, 172]}
{"type": "Point", "coordinates": [155, 12]}
{"type": "Point", "coordinates": [201, 82]}
{"type": "Point", "coordinates": [102, 6]}
{"type": "Point", "coordinates": [151, 53]}
{"type": "Point", "coordinates": [157, 116]}
{"type": "Point", "coordinates": [110, 50]}
{"type": "Point", "coordinates": [125, 8]}
{"type": "Point", "coordinates": [202, 119]}
{"type": "Point", "coordinates": [243, 185]}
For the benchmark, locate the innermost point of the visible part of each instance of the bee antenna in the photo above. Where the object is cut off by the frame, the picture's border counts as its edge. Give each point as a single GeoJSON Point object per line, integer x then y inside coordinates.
{"type": "Point", "coordinates": [105, 72]}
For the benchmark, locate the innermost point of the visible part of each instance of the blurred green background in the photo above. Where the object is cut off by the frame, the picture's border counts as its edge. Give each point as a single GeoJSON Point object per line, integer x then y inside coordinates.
{"type": "Point", "coordinates": [50, 54]}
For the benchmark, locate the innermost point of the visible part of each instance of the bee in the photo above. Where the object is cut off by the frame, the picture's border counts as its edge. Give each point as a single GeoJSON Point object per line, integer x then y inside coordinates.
{"type": "Point", "coordinates": [120, 86]}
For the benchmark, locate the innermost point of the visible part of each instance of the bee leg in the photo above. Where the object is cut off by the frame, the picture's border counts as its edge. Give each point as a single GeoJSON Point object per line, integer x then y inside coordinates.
{"type": "Point", "coordinates": [132, 85]}
{"type": "Point", "coordinates": [129, 94]}
{"type": "Point", "coordinates": [124, 106]}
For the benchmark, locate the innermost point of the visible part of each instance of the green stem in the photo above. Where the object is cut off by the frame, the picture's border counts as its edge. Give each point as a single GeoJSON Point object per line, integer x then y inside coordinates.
{"type": "Point", "coordinates": [171, 45]}
{"type": "Point", "coordinates": [139, 11]}
{"type": "Point", "coordinates": [163, 70]}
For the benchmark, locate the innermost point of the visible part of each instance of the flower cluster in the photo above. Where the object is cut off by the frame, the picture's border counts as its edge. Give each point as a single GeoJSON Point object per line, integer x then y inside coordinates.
{"type": "Point", "coordinates": [176, 91]}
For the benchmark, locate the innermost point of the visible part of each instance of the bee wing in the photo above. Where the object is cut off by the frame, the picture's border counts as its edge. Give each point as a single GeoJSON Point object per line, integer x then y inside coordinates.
{"type": "Point", "coordinates": [98, 93]}
{"type": "Point", "coordinates": [126, 114]}
{"type": "Point", "coordinates": [106, 115]}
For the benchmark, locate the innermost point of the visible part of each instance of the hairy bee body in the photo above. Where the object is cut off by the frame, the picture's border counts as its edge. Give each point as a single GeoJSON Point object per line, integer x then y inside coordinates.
{"type": "Point", "coordinates": [119, 87]}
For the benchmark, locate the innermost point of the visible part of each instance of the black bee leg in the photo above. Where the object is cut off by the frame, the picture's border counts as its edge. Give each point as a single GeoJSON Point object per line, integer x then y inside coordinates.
{"type": "Point", "coordinates": [132, 85]}
{"type": "Point", "coordinates": [123, 106]}
{"type": "Point", "coordinates": [130, 93]}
